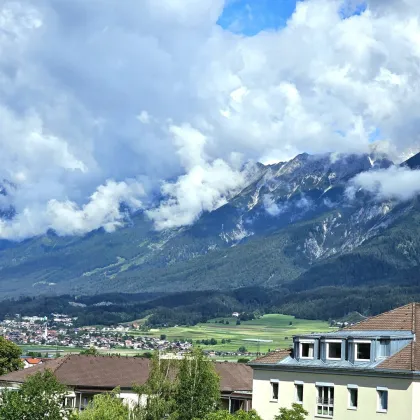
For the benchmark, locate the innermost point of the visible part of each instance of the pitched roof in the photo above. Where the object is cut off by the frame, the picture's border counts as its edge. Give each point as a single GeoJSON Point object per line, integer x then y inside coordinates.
{"type": "Point", "coordinates": [402, 318]}
{"type": "Point", "coordinates": [272, 358]}
{"type": "Point", "coordinates": [32, 361]}
{"type": "Point", "coordinates": [234, 376]}
{"type": "Point", "coordinates": [400, 360]}
{"type": "Point", "coordinates": [111, 371]}
{"type": "Point", "coordinates": [406, 318]}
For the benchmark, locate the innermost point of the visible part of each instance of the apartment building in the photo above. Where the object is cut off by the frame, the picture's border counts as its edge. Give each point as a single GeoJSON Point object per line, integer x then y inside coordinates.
{"type": "Point", "coordinates": [367, 371]}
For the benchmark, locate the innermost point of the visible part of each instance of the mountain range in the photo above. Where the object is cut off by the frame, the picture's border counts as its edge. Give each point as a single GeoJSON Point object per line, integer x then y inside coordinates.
{"type": "Point", "coordinates": [293, 225]}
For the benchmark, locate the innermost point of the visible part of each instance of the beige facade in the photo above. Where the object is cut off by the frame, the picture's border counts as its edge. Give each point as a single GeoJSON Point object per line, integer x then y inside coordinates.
{"type": "Point", "coordinates": [403, 395]}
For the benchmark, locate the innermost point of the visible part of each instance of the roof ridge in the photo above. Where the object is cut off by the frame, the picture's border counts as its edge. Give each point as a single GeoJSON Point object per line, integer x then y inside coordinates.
{"type": "Point", "coordinates": [382, 314]}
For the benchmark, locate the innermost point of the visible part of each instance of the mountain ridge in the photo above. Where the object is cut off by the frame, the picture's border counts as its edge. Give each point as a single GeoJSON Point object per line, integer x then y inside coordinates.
{"type": "Point", "coordinates": [291, 222]}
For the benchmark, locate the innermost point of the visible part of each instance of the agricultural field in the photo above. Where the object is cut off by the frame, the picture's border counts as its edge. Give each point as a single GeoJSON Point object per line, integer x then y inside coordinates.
{"type": "Point", "coordinates": [278, 328]}
{"type": "Point", "coordinates": [62, 351]}
{"type": "Point", "coordinates": [269, 332]}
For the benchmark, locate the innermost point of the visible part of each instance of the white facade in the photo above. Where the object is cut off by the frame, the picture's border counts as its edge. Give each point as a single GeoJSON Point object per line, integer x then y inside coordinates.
{"type": "Point", "coordinates": [370, 392]}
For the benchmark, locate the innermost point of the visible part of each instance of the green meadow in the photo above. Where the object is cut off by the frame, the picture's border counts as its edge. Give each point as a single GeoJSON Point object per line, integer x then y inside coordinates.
{"type": "Point", "coordinates": [280, 329]}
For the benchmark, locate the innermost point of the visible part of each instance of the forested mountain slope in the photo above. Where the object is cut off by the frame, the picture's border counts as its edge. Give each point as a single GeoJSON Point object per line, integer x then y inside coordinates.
{"type": "Point", "coordinates": [293, 225]}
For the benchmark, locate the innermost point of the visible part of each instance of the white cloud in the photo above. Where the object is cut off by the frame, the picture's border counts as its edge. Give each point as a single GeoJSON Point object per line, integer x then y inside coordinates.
{"type": "Point", "coordinates": [205, 187]}
{"type": "Point", "coordinates": [272, 208]}
{"type": "Point", "coordinates": [88, 91]}
{"type": "Point", "coordinates": [394, 183]}
{"type": "Point", "coordinates": [67, 218]}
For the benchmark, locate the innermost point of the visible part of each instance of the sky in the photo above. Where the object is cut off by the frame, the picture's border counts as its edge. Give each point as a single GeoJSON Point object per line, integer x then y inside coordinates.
{"type": "Point", "coordinates": [249, 17]}
{"type": "Point", "coordinates": [104, 102]}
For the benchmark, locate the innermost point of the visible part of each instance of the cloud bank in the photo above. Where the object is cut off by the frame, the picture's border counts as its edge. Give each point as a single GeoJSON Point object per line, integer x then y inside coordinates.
{"type": "Point", "coordinates": [394, 183]}
{"type": "Point", "coordinates": [103, 103]}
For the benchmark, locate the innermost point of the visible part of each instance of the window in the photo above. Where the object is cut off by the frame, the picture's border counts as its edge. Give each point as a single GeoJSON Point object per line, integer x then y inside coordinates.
{"type": "Point", "coordinates": [382, 400]}
{"type": "Point", "coordinates": [362, 351]}
{"type": "Point", "coordinates": [353, 396]}
{"type": "Point", "coordinates": [299, 393]}
{"type": "Point", "coordinates": [307, 350]}
{"type": "Point", "coordinates": [334, 350]}
{"type": "Point", "coordinates": [274, 391]}
{"type": "Point", "coordinates": [325, 401]}
{"type": "Point", "coordinates": [69, 402]}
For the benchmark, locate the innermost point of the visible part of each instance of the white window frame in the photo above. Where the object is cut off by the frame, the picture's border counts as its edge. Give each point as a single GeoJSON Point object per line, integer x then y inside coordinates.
{"type": "Point", "coordinates": [298, 383]}
{"type": "Point", "coordinates": [330, 401]}
{"type": "Point", "coordinates": [300, 349]}
{"type": "Point", "coordinates": [328, 349]}
{"type": "Point", "coordinates": [355, 347]}
{"type": "Point", "coordinates": [380, 389]}
{"type": "Point", "coordinates": [351, 388]}
{"type": "Point", "coordinates": [272, 382]}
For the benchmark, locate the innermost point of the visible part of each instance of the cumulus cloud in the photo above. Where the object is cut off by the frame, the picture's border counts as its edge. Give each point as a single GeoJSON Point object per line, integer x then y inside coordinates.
{"type": "Point", "coordinates": [92, 91]}
{"type": "Point", "coordinates": [205, 186]}
{"type": "Point", "coordinates": [66, 217]}
{"type": "Point", "coordinates": [394, 183]}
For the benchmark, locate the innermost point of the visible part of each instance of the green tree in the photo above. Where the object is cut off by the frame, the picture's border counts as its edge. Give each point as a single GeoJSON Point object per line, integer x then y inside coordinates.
{"type": "Point", "coordinates": [9, 356]}
{"type": "Point", "coordinates": [297, 412]}
{"type": "Point", "coordinates": [243, 360]}
{"type": "Point", "coordinates": [239, 415]}
{"type": "Point", "coordinates": [40, 397]}
{"type": "Point", "coordinates": [106, 406]}
{"type": "Point", "coordinates": [163, 336]}
{"type": "Point", "coordinates": [158, 390]}
{"type": "Point", "coordinates": [91, 351]}
{"type": "Point", "coordinates": [197, 387]}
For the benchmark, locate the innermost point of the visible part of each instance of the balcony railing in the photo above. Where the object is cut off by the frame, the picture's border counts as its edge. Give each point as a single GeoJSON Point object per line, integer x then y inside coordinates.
{"type": "Point", "coordinates": [325, 401]}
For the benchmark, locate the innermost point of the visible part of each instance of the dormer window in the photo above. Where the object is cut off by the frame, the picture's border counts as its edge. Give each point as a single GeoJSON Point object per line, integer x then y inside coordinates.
{"type": "Point", "coordinates": [362, 350]}
{"type": "Point", "coordinates": [334, 350]}
{"type": "Point", "coordinates": [306, 350]}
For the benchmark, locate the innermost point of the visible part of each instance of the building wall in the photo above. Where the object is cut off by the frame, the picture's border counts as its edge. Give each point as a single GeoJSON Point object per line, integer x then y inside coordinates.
{"type": "Point", "coordinates": [400, 391]}
{"type": "Point", "coordinates": [416, 401]}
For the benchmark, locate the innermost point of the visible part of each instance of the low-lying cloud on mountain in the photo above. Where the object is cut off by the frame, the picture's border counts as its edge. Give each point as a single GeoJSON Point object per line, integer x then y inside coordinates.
{"type": "Point", "coordinates": [103, 103]}
{"type": "Point", "coordinates": [394, 183]}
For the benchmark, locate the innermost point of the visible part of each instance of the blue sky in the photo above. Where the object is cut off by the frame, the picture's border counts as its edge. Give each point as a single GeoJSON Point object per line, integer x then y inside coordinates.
{"type": "Point", "coordinates": [251, 16]}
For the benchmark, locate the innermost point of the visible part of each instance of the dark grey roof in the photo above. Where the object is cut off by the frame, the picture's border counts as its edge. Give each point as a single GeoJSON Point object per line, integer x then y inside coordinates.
{"type": "Point", "coordinates": [361, 334]}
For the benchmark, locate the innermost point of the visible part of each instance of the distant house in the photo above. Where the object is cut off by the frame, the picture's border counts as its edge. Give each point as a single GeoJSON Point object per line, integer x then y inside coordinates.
{"type": "Point", "coordinates": [87, 376]}
{"type": "Point", "coordinates": [236, 314]}
{"type": "Point", "coordinates": [29, 362]}
{"type": "Point", "coordinates": [370, 370]}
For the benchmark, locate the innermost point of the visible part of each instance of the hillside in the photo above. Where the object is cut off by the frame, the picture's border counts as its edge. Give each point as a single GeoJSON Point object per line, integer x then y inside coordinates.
{"type": "Point", "coordinates": [293, 225]}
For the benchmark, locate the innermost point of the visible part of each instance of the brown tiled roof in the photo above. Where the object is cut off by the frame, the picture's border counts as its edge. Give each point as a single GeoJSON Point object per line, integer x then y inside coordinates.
{"type": "Point", "coordinates": [400, 360]}
{"type": "Point", "coordinates": [272, 358]}
{"type": "Point", "coordinates": [90, 371]}
{"type": "Point", "coordinates": [112, 371]}
{"type": "Point", "coordinates": [402, 318]}
{"type": "Point", "coordinates": [234, 376]}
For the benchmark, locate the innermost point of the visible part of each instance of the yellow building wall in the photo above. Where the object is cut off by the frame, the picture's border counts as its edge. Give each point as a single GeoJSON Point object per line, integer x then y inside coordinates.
{"type": "Point", "coordinates": [400, 392]}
